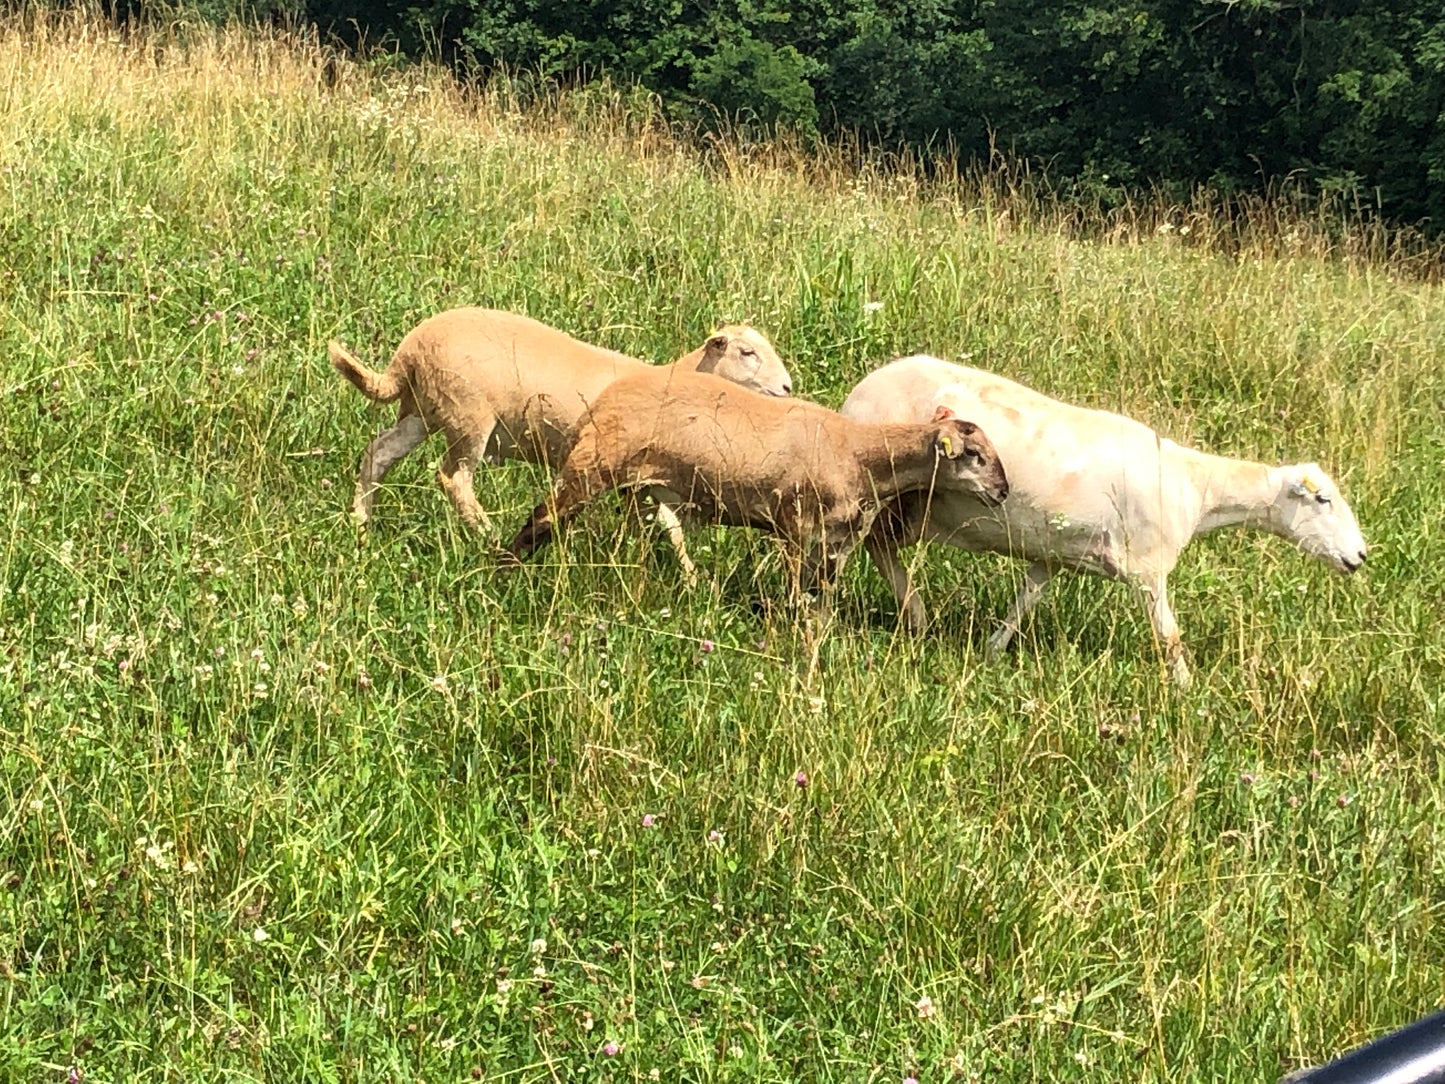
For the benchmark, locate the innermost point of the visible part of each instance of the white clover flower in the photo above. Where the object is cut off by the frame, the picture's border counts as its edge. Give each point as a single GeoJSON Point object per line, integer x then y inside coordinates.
{"type": "Point", "coordinates": [158, 856]}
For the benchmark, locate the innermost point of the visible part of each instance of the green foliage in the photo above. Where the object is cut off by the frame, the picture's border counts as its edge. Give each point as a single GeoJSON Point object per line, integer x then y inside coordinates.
{"type": "Point", "coordinates": [1172, 93]}
{"type": "Point", "coordinates": [748, 76]}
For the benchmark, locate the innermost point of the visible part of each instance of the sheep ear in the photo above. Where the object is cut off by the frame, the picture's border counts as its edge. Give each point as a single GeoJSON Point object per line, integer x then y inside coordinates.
{"type": "Point", "coordinates": [1305, 487]}
{"type": "Point", "coordinates": [942, 414]}
{"type": "Point", "coordinates": [712, 353]}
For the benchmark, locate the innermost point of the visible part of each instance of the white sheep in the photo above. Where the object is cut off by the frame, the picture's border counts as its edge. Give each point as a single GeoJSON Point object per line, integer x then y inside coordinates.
{"type": "Point", "coordinates": [1091, 491]}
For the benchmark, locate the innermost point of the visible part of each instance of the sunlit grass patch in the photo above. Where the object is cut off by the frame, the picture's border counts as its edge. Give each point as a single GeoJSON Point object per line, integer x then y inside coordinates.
{"type": "Point", "coordinates": [280, 803]}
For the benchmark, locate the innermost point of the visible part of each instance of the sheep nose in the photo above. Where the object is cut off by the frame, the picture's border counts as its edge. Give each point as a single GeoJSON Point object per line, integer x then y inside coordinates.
{"type": "Point", "coordinates": [787, 389]}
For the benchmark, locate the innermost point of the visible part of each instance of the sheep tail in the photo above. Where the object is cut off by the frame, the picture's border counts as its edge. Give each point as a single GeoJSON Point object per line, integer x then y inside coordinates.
{"type": "Point", "coordinates": [378, 387]}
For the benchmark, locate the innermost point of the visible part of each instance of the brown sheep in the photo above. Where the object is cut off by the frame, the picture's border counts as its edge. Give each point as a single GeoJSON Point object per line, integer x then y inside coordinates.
{"type": "Point", "coordinates": [503, 386]}
{"type": "Point", "coordinates": [798, 470]}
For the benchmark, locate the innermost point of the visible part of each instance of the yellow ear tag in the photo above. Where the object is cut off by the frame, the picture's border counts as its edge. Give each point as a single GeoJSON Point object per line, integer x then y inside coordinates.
{"type": "Point", "coordinates": [947, 442]}
{"type": "Point", "coordinates": [1310, 484]}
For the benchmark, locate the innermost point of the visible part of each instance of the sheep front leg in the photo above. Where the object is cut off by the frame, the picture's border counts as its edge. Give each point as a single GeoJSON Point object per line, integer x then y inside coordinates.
{"type": "Point", "coordinates": [455, 476]}
{"type": "Point", "coordinates": [670, 522]}
{"type": "Point", "coordinates": [1154, 593]}
{"type": "Point", "coordinates": [811, 579]}
{"type": "Point", "coordinates": [574, 489]}
{"type": "Point", "coordinates": [1035, 580]}
{"type": "Point", "coordinates": [899, 525]}
{"type": "Point", "coordinates": [911, 612]}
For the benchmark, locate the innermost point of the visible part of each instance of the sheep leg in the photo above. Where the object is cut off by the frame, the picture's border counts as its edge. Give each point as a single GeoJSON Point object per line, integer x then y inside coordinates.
{"type": "Point", "coordinates": [911, 612]}
{"type": "Point", "coordinates": [810, 583]}
{"type": "Point", "coordinates": [389, 448]}
{"type": "Point", "coordinates": [670, 522]}
{"type": "Point", "coordinates": [455, 476]}
{"type": "Point", "coordinates": [1155, 596]}
{"type": "Point", "coordinates": [815, 568]}
{"type": "Point", "coordinates": [899, 525]}
{"type": "Point", "coordinates": [1035, 580]}
{"type": "Point", "coordinates": [573, 490]}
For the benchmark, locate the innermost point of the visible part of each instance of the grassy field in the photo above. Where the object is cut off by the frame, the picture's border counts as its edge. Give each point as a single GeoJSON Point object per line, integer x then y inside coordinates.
{"type": "Point", "coordinates": [279, 805]}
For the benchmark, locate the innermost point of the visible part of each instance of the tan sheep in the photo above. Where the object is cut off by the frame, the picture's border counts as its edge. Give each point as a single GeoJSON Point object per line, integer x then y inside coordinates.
{"type": "Point", "coordinates": [503, 386]}
{"type": "Point", "coordinates": [798, 470]}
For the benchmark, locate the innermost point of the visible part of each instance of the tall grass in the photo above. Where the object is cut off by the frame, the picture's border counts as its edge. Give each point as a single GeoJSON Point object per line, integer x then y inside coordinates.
{"type": "Point", "coordinates": [279, 805]}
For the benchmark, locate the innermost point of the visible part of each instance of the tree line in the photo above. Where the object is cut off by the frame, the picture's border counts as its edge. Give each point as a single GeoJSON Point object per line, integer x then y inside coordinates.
{"type": "Point", "coordinates": [1342, 96]}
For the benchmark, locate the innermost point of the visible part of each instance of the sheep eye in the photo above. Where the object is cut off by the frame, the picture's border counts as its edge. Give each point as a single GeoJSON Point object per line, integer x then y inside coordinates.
{"type": "Point", "coordinates": [1320, 498]}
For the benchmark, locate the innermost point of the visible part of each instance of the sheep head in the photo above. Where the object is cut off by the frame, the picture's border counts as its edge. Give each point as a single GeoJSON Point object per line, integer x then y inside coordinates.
{"type": "Point", "coordinates": [967, 459]}
{"type": "Point", "coordinates": [1312, 514]}
{"type": "Point", "coordinates": [744, 356]}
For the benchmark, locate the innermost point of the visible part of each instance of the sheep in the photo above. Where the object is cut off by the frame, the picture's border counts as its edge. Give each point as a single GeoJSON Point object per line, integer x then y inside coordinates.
{"type": "Point", "coordinates": [1091, 491]}
{"type": "Point", "coordinates": [502, 386]}
{"type": "Point", "coordinates": [798, 470]}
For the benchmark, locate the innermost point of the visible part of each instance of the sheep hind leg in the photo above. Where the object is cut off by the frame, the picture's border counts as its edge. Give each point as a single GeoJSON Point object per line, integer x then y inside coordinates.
{"type": "Point", "coordinates": [1035, 580]}
{"type": "Point", "coordinates": [389, 448]}
{"type": "Point", "coordinates": [1155, 596]}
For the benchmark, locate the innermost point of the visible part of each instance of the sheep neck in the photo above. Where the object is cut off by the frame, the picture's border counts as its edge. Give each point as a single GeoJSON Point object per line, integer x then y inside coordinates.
{"type": "Point", "coordinates": [898, 459]}
{"type": "Point", "coordinates": [1234, 493]}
